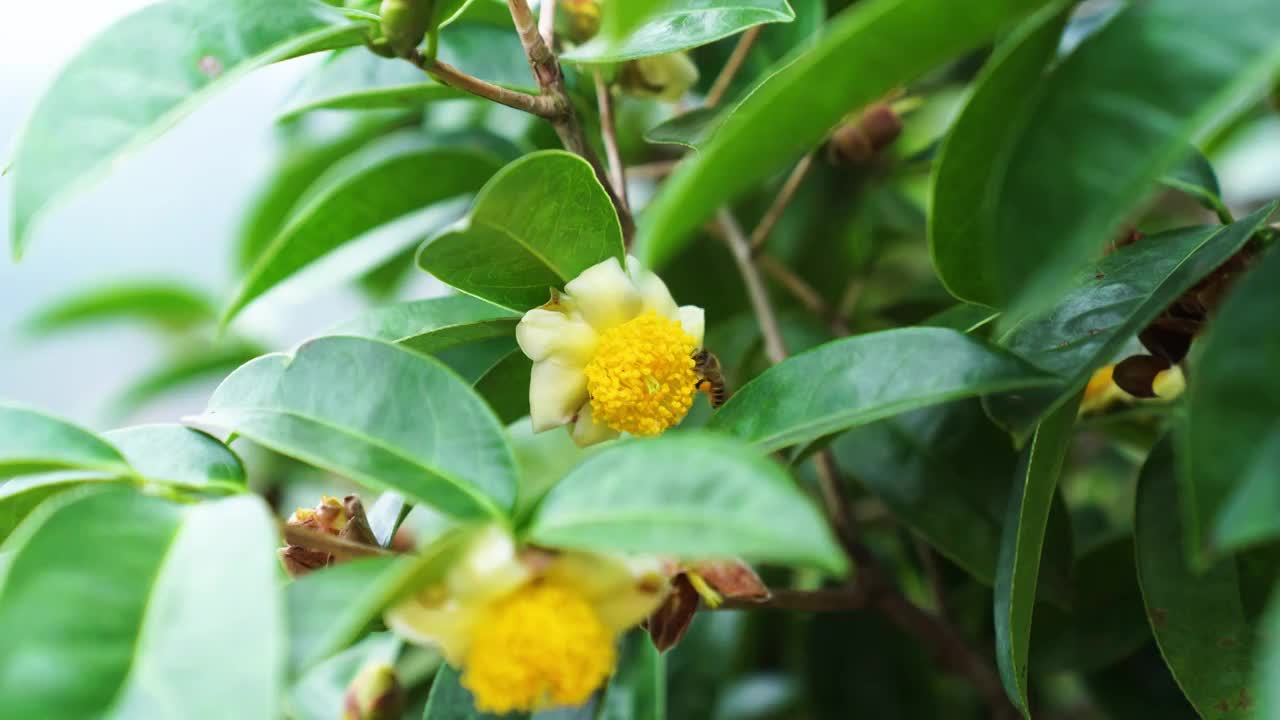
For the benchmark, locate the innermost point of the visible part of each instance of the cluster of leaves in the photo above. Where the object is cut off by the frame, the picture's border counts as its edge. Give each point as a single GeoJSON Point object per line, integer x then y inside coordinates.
{"type": "Point", "coordinates": [137, 570]}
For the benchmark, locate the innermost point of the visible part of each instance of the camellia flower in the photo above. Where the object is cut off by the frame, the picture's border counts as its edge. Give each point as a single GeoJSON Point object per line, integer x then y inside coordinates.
{"type": "Point", "coordinates": [1102, 391]}
{"type": "Point", "coordinates": [611, 354]}
{"type": "Point", "coordinates": [531, 628]}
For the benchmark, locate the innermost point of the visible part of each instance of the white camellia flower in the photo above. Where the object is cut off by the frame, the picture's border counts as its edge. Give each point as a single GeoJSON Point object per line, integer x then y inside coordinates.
{"type": "Point", "coordinates": [612, 354]}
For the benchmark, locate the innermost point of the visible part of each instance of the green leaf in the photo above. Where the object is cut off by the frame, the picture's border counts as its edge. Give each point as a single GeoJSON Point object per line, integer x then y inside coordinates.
{"type": "Point", "coordinates": [204, 365]}
{"type": "Point", "coordinates": [331, 608]}
{"type": "Point", "coordinates": [319, 694]}
{"type": "Point", "coordinates": [1233, 421]}
{"type": "Point", "coordinates": [537, 224]}
{"type": "Point", "coordinates": [865, 52]}
{"type": "Point", "coordinates": [1267, 680]}
{"type": "Point", "coordinates": [143, 74]}
{"type": "Point", "coordinates": [357, 79]}
{"type": "Point", "coordinates": [964, 317]}
{"type": "Point", "coordinates": [178, 455]}
{"type": "Point", "coordinates": [638, 689]}
{"type": "Point", "coordinates": [1111, 128]}
{"type": "Point", "coordinates": [1021, 545]}
{"type": "Point", "coordinates": [169, 307]}
{"type": "Point", "coordinates": [505, 386]}
{"type": "Point", "coordinates": [1198, 620]}
{"type": "Point", "coordinates": [691, 129]}
{"type": "Point", "coordinates": [185, 610]}
{"type": "Point", "coordinates": [967, 173]}
{"type": "Point", "coordinates": [379, 414]}
{"type": "Point", "coordinates": [394, 177]}
{"type": "Point", "coordinates": [20, 496]}
{"type": "Point", "coordinates": [33, 442]}
{"type": "Point", "coordinates": [858, 380]}
{"type": "Point", "coordinates": [690, 495]}
{"type": "Point", "coordinates": [680, 25]}
{"type": "Point", "coordinates": [431, 325]}
{"type": "Point", "coordinates": [1195, 177]}
{"type": "Point", "coordinates": [1109, 303]}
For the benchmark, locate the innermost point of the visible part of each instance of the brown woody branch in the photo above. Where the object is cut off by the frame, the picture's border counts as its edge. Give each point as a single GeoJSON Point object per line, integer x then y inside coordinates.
{"type": "Point", "coordinates": [332, 544]}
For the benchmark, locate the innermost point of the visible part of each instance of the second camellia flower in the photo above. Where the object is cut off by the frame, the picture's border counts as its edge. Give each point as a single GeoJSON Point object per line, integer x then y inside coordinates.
{"type": "Point", "coordinates": [613, 353]}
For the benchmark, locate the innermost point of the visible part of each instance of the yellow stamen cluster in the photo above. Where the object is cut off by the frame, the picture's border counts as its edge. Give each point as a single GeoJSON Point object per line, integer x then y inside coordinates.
{"type": "Point", "coordinates": [541, 646]}
{"type": "Point", "coordinates": [641, 377]}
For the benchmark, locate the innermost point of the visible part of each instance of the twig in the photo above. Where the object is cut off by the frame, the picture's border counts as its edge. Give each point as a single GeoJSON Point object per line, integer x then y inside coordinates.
{"type": "Point", "coordinates": [803, 292]}
{"type": "Point", "coordinates": [731, 67]}
{"type": "Point", "coordinates": [547, 22]}
{"type": "Point", "coordinates": [655, 170]}
{"type": "Point", "coordinates": [609, 134]}
{"type": "Point", "coordinates": [825, 600]}
{"type": "Point", "coordinates": [447, 74]}
{"type": "Point", "coordinates": [933, 573]}
{"type": "Point", "coordinates": [774, 347]}
{"type": "Point", "coordinates": [546, 70]}
{"type": "Point", "coordinates": [780, 203]}
{"type": "Point", "coordinates": [315, 540]}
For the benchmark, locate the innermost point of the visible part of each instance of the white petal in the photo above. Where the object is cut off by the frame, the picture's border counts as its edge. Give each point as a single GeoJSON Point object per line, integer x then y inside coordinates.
{"type": "Point", "coordinates": [604, 295]}
{"type": "Point", "coordinates": [587, 432]}
{"type": "Point", "coordinates": [543, 333]}
{"type": "Point", "coordinates": [693, 320]}
{"type": "Point", "coordinates": [653, 292]}
{"type": "Point", "coordinates": [556, 391]}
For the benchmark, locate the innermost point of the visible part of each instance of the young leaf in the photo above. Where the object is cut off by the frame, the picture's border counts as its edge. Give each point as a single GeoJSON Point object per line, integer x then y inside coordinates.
{"type": "Point", "coordinates": [1111, 301]}
{"type": "Point", "coordinates": [178, 455]}
{"type": "Point", "coordinates": [1021, 545]}
{"type": "Point", "coordinates": [865, 52]}
{"type": "Point", "coordinates": [689, 495]}
{"type": "Point", "coordinates": [394, 177]}
{"type": "Point", "coordinates": [170, 307]}
{"type": "Point", "coordinates": [179, 593]}
{"type": "Point", "coordinates": [1112, 126]}
{"type": "Point", "coordinates": [537, 224]}
{"type": "Point", "coordinates": [680, 25]}
{"type": "Point", "coordinates": [32, 442]}
{"type": "Point", "coordinates": [143, 74]}
{"type": "Point", "coordinates": [379, 414]}
{"type": "Point", "coordinates": [691, 129]}
{"type": "Point", "coordinates": [434, 324]}
{"type": "Point", "coordinates": [967, 172]}
{"type": "Point", "coordinates": [1233, 421]}
{"type": "Point", "coordinates": [858, 380]}
{"type": "Point", "coordinates": [1195, 177]}
{"type": "Point", "coordinates": [1198, 619]}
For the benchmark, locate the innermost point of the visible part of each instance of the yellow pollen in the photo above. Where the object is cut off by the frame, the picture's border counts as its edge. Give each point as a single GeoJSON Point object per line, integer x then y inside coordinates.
{"type": "Point", "coordinates": [641, 378]}
{"type": "Point", "coordinates": [541, 646]}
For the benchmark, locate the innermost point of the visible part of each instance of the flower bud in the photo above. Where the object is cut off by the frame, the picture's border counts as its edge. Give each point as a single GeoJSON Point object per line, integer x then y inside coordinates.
{"type": "Point", "coordinates": [405, 23]}
{"type": "Point", "coordinates": [664, 77]}
{"type": "Point", "coordinates": [583, 17]}
{"type": "Point", "coordinates": [860, 140]}
{"type": "Point", "coordinates": [343, 518]}
{"type": "Point", "coordinates": [374, 694]}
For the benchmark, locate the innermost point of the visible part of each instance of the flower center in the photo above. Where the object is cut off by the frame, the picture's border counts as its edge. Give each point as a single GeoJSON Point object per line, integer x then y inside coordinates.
{"type": "Point", "coordinates": [641, 377]}
{"type": "Point", "coordinates": [541, 646]}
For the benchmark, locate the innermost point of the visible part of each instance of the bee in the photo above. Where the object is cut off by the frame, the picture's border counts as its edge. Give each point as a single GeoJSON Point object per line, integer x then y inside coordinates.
{"type": "Point", "coordinates": [710, 378]}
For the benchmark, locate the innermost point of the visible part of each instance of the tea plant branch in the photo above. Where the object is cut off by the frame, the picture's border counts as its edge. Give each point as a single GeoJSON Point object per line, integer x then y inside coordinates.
{"type": "Point", "coordinates": [780, 203]}
{"type": "Point", "coordinates": [731, 67]}
{"type": "Point", "coordinates": [609, 134]}
{"type": "Point", "coordinates": [731, 232]}
{"type": "Point", "coordinates": [447, 74]}
{"type": "Point", "coordinates": [546, 70]}
{"type": "Point", "coordinates": [332, 544]}
{"type": "Point", "coordinates": [804, 292]}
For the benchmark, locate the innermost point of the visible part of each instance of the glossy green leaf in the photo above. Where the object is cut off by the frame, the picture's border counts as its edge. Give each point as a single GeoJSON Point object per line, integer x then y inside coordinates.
{"type": "Point", "coordinates": [19, 497]}
{"type": "Point", "coordinates": [1198, 619]}
{"type": "Point", "coordinates": [204, 365]}
{"type": "Point", "coordinates": [537, 224]}
{"type": "Point", "coordinates": [691, 129]}
{"type": "Point", "coordinates": [1267, 680]}
{"type": "Point", "coordinates": [1109, 303]}
{"type": "Point", "coordinates": [379, 414]}
{"type": "Point", "coordinates": [638, 689]}
{"type": "Point", "coordinates": [680, 25]}
{"type": "Point", "coordinates": [505, 386]}
{"type": "Point", "coordinates": [690, 495]}
{"type": "Point", "coordinates": [357, 79]}
{"type": "Point", "coordinates": [144, 73]}
{"type": "Point", "coordinates": [1195, 177]}
{"type": "Point", "coordinates": [32, 442]}
{"type": "Point", "coordinates": [945, 472]}
{"type": "Point", "coordinates": [392, 178]}
{"type": "Point", "coordinates": [967, 172]}
{"type": "Point", "coordinates": [179, 596]}
{"type": "Point", "coordinates": [1233, 413]}
{"type": "Point", "coordinates": [964, 317]}
{"type": "Point", "coordinates": [304, 157]}
{"type": "Point", "coordinates": [865, 52]}
{"type": "Point", "coordinates": [431, 325]}
{"type": "Point", "coordinates": [1021, 546]}
{"type": "Point", "coordinates": [168, 306]}
{"type": "Point", "coordinates": [178, 455]}
{"type": "Point", "coordinates": [1114, 129]}
{"type": "Point", "coordinates": [858, 380]}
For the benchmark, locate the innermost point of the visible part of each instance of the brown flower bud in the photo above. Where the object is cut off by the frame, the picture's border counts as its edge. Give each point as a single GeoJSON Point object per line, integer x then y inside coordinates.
{"type": "Point", "coordinates": [374, 694]}
{"type": "Point", "coordinates": [860, 140]}
{"type": "Point", "coordinates": [342, 518]}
